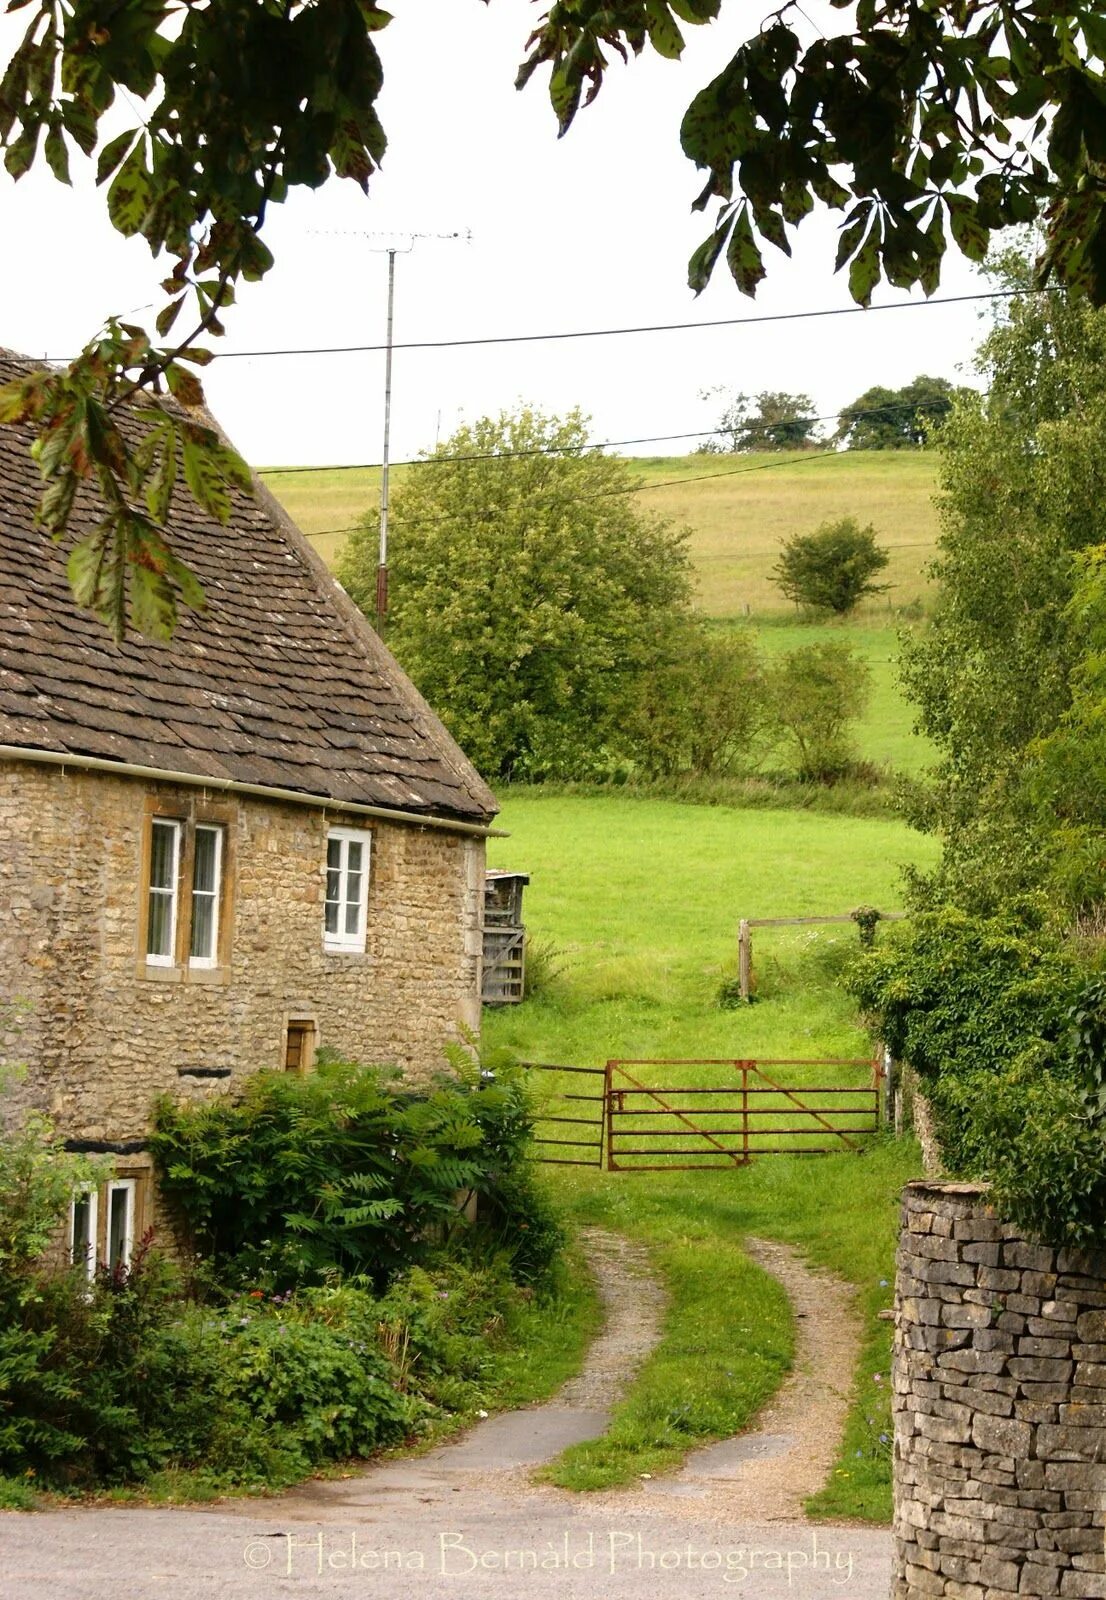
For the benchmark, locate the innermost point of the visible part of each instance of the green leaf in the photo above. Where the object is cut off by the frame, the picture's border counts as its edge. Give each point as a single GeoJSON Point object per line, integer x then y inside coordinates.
{"type": "Point", "coordinates": [112, 154]}
{"type": "Point", "coordinates": [184, 386]}
{"type": "Point", "coordinates": [743, 255]}
{"type": "Point", "coordinates": [967, 230]}
{"type": "Point", "coordinates": [159, 490]}
{"type": "Point", "coordinates": [57, 156]}
{"type": "Point", "coordinates": [664, 35]}
{"type": "Point", "coordinates": [203, 473]}
{"type": "Point", "coordinates": [702, 263]}
{"type": "Point", "coordinates": [864, 271]}
{"type": "Point", "coordinates": [131, 193]}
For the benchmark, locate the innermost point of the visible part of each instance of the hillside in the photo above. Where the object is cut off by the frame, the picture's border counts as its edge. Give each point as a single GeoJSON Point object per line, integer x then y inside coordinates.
{"type": "Point", "coordinates": [738, 508]}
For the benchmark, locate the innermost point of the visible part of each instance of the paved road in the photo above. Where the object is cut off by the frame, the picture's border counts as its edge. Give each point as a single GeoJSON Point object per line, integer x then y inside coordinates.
{"type": "Point", "coordinates": [464, 1520]}
{"type": "Point", "coordinates": [418, 1551]}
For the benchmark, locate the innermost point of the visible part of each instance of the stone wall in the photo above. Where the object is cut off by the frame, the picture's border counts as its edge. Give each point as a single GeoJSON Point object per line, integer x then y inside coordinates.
{"type": "Point", "coordinates": [103, 1033]}
{"type": "Point", "coordinates": [1000, 1407]}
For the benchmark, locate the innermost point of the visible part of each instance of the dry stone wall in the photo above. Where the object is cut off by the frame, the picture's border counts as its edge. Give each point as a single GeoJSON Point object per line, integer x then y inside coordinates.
{"type": "Point", "coordinates": [1000, 1407]}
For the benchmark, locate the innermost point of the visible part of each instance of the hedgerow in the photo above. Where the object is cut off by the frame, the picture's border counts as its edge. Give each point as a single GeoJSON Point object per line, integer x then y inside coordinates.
{"type": "Point", "coordinates": [1007, 1035]}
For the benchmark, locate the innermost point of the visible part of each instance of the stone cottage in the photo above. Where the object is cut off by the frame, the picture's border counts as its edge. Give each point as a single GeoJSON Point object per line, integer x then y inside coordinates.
{"type": "Point", "coordinates": [218, 854]}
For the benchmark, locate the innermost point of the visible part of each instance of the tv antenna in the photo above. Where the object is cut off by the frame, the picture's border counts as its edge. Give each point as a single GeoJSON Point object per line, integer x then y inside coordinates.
{"type": "Point", "coordinates": [391, 244]}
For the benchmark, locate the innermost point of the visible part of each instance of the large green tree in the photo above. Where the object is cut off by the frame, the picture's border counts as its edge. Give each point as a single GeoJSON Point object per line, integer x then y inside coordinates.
{"type": "Point", "coordinates": [530, 597]}
{"type": "Point", "coordinates": [895, 419]}
{"type": "Point", "coordinates": [916, 120]}
{"type": "Point", "coordinates": [771, 420]}
{"type": "Point", "coordinates": [1023, 476]}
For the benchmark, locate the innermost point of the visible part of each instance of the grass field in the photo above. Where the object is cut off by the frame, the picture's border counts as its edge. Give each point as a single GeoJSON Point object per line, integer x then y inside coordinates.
{"type": "Point", "coordinates": [640, 900]}
{"type": "Point", "coordinates": [739, 510]}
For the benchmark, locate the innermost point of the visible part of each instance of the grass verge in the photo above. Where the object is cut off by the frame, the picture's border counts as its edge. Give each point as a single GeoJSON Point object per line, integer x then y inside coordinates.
{"type": "Point", "coordinates": [712, 1370]}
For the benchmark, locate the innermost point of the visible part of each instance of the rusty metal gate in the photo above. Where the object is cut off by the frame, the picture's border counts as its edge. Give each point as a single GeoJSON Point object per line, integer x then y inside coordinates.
{"type": "Point", "coordinates": [628, 1124]}
{"type": "Point", "coordinates": [570, 1123]}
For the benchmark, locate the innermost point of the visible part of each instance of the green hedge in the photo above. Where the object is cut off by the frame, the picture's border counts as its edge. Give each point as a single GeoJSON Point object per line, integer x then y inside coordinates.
{"type": "Point", "coordinates": [1007, 1034]}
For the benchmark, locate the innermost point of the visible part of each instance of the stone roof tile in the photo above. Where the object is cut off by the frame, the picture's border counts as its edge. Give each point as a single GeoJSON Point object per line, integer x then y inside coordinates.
{"type": "Point", "coordinates": [279, 681]}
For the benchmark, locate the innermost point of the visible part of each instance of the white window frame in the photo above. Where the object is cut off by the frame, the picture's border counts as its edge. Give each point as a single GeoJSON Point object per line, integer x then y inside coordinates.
{"type": "Point", "coordinates": [130, 1187]}
{"type": "Point", "coordinates": [215, 895]}
{"type": "Point", "coordinates": [92, 1196]}
{"type": "Point", "coordinates": [173, 893]}
{"type": "Point", "coordinates": [341, 940]}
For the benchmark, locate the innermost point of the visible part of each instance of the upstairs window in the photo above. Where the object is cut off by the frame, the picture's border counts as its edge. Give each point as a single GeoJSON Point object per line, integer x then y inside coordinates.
{"type": "Point", "coordinates": [161, 920]}
{"type": "Point", "coordinates": [207, 863]}
{"type": "Point", "coordinates": [347, 888]}
{"type": "Point", "coordinates": [184, 893]}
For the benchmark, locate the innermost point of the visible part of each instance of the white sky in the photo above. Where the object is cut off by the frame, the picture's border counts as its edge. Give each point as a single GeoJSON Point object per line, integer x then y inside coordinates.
{"type": "Point", "coordinates": [591, 231]}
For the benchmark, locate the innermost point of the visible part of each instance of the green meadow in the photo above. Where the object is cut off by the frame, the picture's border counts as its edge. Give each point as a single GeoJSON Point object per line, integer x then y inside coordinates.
{"type": "Point", "coordinates": [634, 904]}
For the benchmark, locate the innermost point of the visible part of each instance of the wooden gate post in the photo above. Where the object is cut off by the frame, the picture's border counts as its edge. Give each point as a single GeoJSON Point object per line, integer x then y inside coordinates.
{"type": "Point", "coordinates": [744, 957]}
{"type": "Point", "coordinates": [607, 1132]}
{"type": "Point", "coordinates": [745, 1111]}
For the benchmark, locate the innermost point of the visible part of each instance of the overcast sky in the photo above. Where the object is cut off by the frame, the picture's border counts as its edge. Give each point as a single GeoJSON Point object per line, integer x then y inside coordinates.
{"type": "Point", "coordinates": [592, 231]}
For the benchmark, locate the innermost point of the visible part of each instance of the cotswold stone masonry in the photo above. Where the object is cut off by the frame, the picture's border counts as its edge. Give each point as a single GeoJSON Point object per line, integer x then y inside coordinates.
{"type": "Point", "coordinates": [103, 1034]}
{"type": "Point", "coordinates": [1000, 1407]}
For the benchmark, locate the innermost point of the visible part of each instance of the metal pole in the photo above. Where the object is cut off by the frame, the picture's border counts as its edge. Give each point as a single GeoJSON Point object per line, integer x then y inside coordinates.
{"type": "Point", "coordinates": [382, 562]}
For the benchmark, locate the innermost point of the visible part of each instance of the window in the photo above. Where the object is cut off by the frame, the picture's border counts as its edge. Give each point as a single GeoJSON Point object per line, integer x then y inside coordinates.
{"type": "Point", "coordinates": [299, 1045]}
{"type": "Point", "coordinates": [206, 872]}
{"type": "Point", "coordinates": [120, 1223]}
{"type": "Point", "coordinates": [83, 1214]}
{"type": "Point", "coordinates": [161, 919]}
{"type": "Point", "coordinates": [347, 885]}
{"type": "Point", "coordinates": [184, 893]}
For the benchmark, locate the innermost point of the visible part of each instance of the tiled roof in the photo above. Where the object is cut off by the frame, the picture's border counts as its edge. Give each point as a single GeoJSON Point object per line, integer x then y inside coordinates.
{"type": "Point", "coordinates": [279, 681]}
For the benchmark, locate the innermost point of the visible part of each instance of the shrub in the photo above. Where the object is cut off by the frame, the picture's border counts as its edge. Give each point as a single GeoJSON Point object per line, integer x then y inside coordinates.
{"type": "Point", "coordinates": [833, 568]}
{"type": "Point", "coordinates": [701, 709]}
{"type": "Point", "coordinates": [1011, 1043]}
{"type": "Point", "coordinates": [342, 1170]}
{"type": "Point", "coordinates": [813, 694]}
{"type": "Point", "coordinates": [959, 994]}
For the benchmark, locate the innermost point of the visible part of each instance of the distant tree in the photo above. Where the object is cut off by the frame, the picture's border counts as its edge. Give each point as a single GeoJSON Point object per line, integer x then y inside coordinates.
{"type": "Point", "coordinates": [530, 595]}
{"type": "Point", "coordinates": [833, 568]}
{"type": "Point", "coordinates": [701, 710]}
{"type": "Point", "coordinates": [895, 419]}
{"type": "Point", "coordinates": [813, 694]}
{"type": "Point", "coordinates": [771, 420]}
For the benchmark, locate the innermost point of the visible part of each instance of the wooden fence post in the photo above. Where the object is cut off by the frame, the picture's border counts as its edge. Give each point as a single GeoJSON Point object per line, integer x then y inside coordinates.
{"type": "Point", "coordinates": [744, 957]}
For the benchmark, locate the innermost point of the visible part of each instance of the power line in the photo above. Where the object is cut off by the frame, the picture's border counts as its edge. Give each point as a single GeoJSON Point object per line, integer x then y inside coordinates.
{"type": "Point", "coordinates": [610, 333]}
{"type": "Point", "coordinates": [890, 410]}
{"type": "Point", "coordinates": [665, 483]}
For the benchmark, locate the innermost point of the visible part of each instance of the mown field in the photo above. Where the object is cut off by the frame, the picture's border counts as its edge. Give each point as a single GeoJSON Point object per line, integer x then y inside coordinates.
{"type": "Point", "coordinates": [636, 905]}
{"type": "Point", "coordinates": [739, 510]}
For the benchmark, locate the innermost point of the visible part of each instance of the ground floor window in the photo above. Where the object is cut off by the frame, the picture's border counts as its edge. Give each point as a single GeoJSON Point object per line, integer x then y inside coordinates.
{"type": "Point", "coordinates": [105, 1224]}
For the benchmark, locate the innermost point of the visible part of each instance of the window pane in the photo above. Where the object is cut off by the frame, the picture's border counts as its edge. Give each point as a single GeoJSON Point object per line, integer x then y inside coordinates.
{"type": "Point", "coordinates": [333, 854]}
{"type": "Point", "coordinates": [353, 860]}
{"type": "Point", "coordinates": [353, 916]}
{"type": "Point", "coordinates": [331, 922]}
{"type": "Point", "coordinates": [203, 927]}
{"type": "Point", "coordinates": [119, 1227]}
{"type": "Point", "coordinates": [159, 941]}
{"type": "Point", "coordinates": [163, 839]}
{"type": "Point", "coordinates": [83, 1243]}
{"type": "Point", "coordinates": [207, 849]}
{"type": "Point", "coordinates": [333, 884]}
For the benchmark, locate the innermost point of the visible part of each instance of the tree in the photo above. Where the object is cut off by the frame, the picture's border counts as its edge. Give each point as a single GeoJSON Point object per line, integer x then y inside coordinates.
{"type": "Point", "coordinates": [1022, 474]}
{"type": "Point", "coordinates": [895, 419]}
{"type": "Point", "coordinates": [771, 420]}
{"type": "Point", "coordinates": [701, 709]}
{"type": "Point", "coordinates": [814, 693]}
{"type": "Point", "coordinates": [915, 118]}
{"type": "Point", "coordinates": [833, 568]}
{"type": "Point", "coordinates": [530, 596]}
